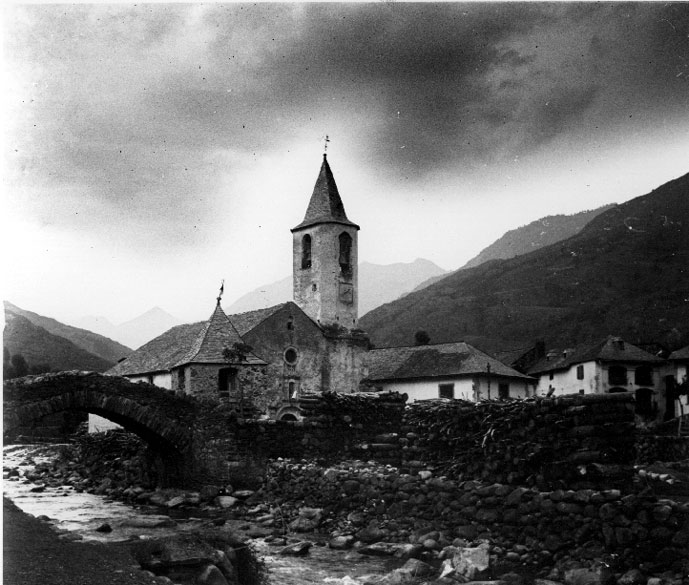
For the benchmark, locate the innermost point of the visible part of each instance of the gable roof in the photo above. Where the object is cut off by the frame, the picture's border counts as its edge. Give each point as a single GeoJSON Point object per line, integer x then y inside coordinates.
{"type": "Point", "coordinates": [680, 354]}
{"type": "Point", "coordinates": [434, 361]}
{"type": "Point", "coordinates": [611, 349]}
{"type": "Point", "coordinates": [201, 342]}
{"type": "Point", "coordinates": [325, 205]}
{"type": "Point", "coordinates": [245, 322]}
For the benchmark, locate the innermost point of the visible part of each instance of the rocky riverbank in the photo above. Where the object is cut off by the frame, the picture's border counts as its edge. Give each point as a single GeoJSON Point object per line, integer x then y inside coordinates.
{"type": "Point", "coordinates": [438, 531]}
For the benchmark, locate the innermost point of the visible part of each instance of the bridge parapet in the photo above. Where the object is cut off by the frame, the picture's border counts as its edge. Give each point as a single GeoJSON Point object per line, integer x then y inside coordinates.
{"type": "Point", "coordinates": [193, 438]}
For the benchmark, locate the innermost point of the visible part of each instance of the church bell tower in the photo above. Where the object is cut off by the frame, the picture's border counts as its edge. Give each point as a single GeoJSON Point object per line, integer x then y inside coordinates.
{"type": "Point", "coordinates": [325, 257]}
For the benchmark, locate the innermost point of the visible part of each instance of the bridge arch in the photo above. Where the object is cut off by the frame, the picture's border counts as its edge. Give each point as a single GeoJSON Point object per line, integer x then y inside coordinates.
{"type": "Point", "coordinates": [165, 421]}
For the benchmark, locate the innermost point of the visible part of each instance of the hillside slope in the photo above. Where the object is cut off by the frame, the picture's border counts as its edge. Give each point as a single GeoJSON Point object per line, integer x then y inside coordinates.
{"type": "Point", "coordinates": [97, 345]}
{"type": "Point", "coordinates": [625, 273]}
{"type": "Point", "coordinates": [535, 235]}
{"type": "Point", "coordinates": [39, 346]}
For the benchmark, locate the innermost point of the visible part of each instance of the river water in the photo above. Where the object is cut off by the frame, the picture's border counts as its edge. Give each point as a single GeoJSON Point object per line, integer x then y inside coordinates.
{"type": "Point", "coordinates": [80, 514]}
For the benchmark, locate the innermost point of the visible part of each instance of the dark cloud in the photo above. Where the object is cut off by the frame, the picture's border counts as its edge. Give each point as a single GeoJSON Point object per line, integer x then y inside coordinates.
{"type": "Point", "coordinates": [131, 105]}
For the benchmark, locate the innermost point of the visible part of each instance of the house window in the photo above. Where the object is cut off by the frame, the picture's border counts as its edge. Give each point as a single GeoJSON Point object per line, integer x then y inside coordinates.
{"type": "Point", "coordinates": [580, 372]}
{"type": "Point", "coordinates": [346, 253]}
{"type": "Point", "coordinates": [227, 383]}
{"type": "Point", "coordinates": [643, 376]}
{"type": "Point", "coordinates": [446, 390]}
{"type": "Point", "coordinates": [503, 390]}
{"type": "Point", "coordinates": [306, 252]}
{"type": "Point", "coordinates": [617, 376]}
{"type": "Point", "coordinates": [552, 375]}
{"type": "Point", "coordinates": [290, 324]}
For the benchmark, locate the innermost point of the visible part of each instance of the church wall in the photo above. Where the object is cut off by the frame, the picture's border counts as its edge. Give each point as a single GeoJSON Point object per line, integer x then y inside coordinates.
{"type": "Point", "coordinates": [285, 329]}
{"type": "Point", "coordinates": [203, 382]}
{"type": "Point", "coordinates": [345, 362]}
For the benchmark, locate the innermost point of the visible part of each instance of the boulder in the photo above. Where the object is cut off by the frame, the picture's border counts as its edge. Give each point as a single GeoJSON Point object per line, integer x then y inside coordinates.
{"type": "Point", "coordinates": [387, 549]}
{"type": "Point", "coordinates": [298, 549]}
{"type": "Point", "coordinates": [341, 542]}
{"type": "Point", "coordinates": [153, 521]}
{"type": "Point", "coordinates": [372, 533]}
{"type": "Point", "coordinates": [470, 562]}
{"type": "Point", "coordinates": [307, 521]}
{"type": "Point", "coordinates": [597, 576]}
{"type": "Point", "coordinates": [211, 575]}
{"type": "Point", "coordinates": [243, 494]}
{"type": "Point", "coordinates": [226, 502]}
{"type": "Point", "coordinates": [632, 577]}
{"type": "Point", "coordinates": [175, 502]}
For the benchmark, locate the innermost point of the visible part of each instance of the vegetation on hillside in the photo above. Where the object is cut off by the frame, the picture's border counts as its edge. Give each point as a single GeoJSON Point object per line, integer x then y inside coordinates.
{"type": "Point", "coordinates": [43, 351]}
{"type": "Point", "coordinates": [535, 235]}
{"type": "Point", "coordinates": [97, 345]}
{"type": "Point", "coordinates": [626, 273]}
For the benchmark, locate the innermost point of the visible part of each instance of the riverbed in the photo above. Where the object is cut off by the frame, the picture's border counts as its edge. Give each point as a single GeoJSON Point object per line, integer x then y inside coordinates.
{"type": "Point", "coordinates": [79, 515]}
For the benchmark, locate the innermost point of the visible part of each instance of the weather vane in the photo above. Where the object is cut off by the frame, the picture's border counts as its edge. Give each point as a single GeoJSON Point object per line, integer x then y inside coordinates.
{"type": "Point", "coordinates": [222, 290]}
{"type": "Point", "coordinates": [325, 150]}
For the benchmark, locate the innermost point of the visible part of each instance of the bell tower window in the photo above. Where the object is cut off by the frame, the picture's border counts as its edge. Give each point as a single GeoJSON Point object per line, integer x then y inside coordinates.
{"type": "Point", "coordinates": [306, 252]}
{"type": "Point", "coordinates": [346, 254]}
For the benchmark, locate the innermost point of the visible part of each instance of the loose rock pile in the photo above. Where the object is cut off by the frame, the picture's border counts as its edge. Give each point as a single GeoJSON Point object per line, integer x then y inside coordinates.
{"type": "Point", "coordinates": [528, 529]}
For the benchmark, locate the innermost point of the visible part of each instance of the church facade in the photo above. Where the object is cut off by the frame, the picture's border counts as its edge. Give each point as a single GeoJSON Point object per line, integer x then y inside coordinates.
{"type": "Point", "coordinates": [266, 359]}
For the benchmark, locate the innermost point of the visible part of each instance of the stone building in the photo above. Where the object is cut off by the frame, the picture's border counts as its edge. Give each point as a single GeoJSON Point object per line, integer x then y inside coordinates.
{"type": "Point", "coordinates": [443, 370]}
{"type": "Point", "coordinates": [308, 345]}
{"type": "Point", "coordinates": [607, 367]}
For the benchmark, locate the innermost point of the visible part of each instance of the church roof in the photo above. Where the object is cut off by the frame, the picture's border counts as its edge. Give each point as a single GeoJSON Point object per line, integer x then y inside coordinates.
{"type": "Point", "coordinates": [201, 342]}
{"type": "Point", "coordinates": [325, 205]}
{"type": "Point", "coordinates": [434, 361]}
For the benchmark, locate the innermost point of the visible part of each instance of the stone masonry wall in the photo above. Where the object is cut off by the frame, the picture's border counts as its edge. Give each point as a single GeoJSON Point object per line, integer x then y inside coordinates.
{"type": "Point", "coordinates": [376, 502]}
{"type": "Point", "coordinates": [651, 448]}
{"type": "Point", "coordinates": [578, 441]}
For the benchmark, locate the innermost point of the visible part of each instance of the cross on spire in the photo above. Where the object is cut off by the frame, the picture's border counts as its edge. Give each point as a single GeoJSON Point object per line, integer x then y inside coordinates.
{"type": "Point", "coordinates": [325, 149]}
{"type": "Point", "coordinates": [222, 290]}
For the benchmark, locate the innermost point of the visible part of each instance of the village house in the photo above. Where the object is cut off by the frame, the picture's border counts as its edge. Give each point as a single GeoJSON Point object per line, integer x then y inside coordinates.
{"type": "Point", "coordinates": [611, 365]}
{"type": "Point", "coordinates": [269, 357]}
{"type": "Point", "coordinates": [445, 370]}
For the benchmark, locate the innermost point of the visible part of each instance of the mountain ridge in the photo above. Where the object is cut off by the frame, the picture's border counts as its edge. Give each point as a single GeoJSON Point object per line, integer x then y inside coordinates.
{"type": "Point", "coordinates": [136, 331]}
{"type": "Point", "coordinates": [39, 347]}
{"type": "Point", "coordinates": [622, 274]}
{"type": "Point", "coordinates": [91, 342]}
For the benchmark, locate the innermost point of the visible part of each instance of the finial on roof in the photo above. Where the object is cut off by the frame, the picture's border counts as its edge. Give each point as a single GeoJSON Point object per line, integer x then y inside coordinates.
{"type": "Point", "coordinates": [222, 290]}
{"type": "Point", "coordinates": [325, 149]}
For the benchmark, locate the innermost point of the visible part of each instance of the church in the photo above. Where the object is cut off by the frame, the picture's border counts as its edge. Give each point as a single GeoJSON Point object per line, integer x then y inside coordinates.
{"type": "Point", "coordinates": [265, 360]}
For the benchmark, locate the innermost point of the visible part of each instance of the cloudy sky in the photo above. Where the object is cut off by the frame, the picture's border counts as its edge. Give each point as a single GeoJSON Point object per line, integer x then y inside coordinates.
{"type": "Point", "coordinates": [152, 150]}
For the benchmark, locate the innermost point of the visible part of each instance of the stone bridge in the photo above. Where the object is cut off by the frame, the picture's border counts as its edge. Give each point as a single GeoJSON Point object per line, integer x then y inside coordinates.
{"type": "Point", "coordinates": [194, 441]}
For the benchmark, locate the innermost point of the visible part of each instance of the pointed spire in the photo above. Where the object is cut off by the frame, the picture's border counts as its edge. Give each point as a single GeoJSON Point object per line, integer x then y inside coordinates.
{"type": "Point", "coordinates": [325, 205]}
{"type": "Point", "coordinates": [217, 334]}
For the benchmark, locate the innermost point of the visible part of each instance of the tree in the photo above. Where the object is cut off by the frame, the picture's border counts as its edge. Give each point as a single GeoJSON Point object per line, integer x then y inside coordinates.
{"type": "Point", "coordinates": [21, 368]}
{"type": "Point", "coordinates": [422, 338]}
{"type": "Point", "coordinates": [237, 353]}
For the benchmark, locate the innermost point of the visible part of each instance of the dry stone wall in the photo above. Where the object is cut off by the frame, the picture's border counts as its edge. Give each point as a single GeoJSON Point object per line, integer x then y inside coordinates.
{"type": "Point", "coordinates": [376, 502]}
{"type": "Point", "coordinates": [576, 441]}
